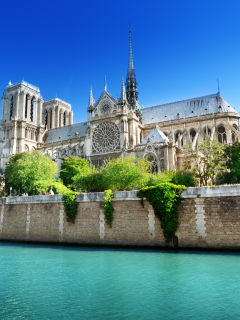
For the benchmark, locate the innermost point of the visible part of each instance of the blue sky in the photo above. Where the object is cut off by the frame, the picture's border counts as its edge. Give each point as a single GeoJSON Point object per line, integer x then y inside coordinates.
{"type": "Point", "coordinates": [180, 48]}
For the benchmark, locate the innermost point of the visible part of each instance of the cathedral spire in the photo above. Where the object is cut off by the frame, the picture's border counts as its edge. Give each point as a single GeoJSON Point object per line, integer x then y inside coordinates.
{"type": "Point", "coordinates": [105, 84]}
{"type": "Point", "coordinates": [123, 93]}
{"type": "Point", "coordinates": [91, 102]}
{"type": "Point", "coordinates": [131, 82]}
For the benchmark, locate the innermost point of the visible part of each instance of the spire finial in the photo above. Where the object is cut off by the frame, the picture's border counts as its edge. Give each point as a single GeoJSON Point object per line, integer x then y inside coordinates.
{"type": "Point", "coordinates": [123, 93]}
{"type": "Point", "coordinates": [218, 86]}
{"type": "Point", "coordinates": [105, 84]}
{"type": "Point", "coordinates": [91, 103]}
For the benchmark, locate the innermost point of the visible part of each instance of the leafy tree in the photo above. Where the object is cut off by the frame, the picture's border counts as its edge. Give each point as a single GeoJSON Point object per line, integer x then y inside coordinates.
{"type": "Point", "coordinates": [182, 177]}
{"type": "Point", "coordinates": [71, 167]}
{"type": "Point", "coordinates": [207, 159]}
{"type": "Point", "coordinates": [24, 169]}
{"type": "Point", "coordinates": [232, 161]}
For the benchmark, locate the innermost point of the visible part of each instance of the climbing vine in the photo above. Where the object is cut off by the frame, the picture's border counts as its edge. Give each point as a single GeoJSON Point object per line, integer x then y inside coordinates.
{"type": "Point", "coordinates": [107, 206]}
{"type": "Point", "coordinates": [70, 205]}
{"type": "Point", "coordinates": [165, 199]}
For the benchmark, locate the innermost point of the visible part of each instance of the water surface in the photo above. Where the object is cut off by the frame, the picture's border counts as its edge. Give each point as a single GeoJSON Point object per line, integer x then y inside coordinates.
{"type": "Point", "coordinates": [57, 282]}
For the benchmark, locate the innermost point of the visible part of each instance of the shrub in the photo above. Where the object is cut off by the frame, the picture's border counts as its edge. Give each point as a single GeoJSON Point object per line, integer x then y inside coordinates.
{"type": "Point", "coordinates": [44, 185]}
{"type": "Point", "coordinates": [185, 178]}
{"type": "Point", "coordinates": [71, 167]}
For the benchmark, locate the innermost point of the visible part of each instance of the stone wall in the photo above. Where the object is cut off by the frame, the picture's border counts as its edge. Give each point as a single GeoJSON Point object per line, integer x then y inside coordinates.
{"type": "Point", "coordinates": [209, 217]}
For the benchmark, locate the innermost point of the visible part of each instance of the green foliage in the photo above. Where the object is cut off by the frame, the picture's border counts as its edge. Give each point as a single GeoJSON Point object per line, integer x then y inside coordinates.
{"type": "Point", "coordinates": [207, 160]}
{"type": "Point", "coordinates": [71, 167]}
{"type": "Point", "coordinates": [185, 178]}
{"type": "Point", "coordinates": [70, 205]}
{"type": "Point", "coordinates": [232, 161]}
{"type": "Point", "coordinates": [45, 185]}
{"type": "Point", "coordinates": [129, 173]}
{"type": "Point", "coordinates": [26, 168]}
{"type": "Point", "coordinates": [165, 199]}
{"type": "Point", "coordinates": [107, 207]}
{"type": "Point", "coordinates": [115, 174]}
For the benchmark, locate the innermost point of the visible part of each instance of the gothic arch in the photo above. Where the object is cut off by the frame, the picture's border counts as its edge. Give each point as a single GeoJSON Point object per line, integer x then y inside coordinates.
{"type": "Point", "coordinates": [221, 134]}
{"type": "Point", "coordinates": [153, 162]}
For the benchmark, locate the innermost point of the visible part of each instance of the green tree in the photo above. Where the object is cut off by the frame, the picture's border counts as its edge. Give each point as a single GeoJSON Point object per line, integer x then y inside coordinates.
{"type": "Point", "coordinates": [72, 167]}
{"type": "Point", "coordinates": [232, 161]}
{"type": "Point", "coordinates": [24, 169]}
{"type": "Point", "coordinates": [207, 159]}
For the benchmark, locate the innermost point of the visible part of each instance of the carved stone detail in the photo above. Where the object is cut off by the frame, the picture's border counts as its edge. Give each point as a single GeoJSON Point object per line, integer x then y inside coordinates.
{"type": "Point", "coordinates": [106, 137]}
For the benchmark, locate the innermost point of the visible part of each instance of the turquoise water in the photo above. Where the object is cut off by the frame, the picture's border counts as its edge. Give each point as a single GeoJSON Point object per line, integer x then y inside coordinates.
{"type": "Point", "coordinates": [55, 282]}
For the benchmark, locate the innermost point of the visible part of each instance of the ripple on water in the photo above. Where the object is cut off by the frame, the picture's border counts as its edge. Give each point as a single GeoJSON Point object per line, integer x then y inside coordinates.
{"type": "Point", "coordinates": [54, 282]}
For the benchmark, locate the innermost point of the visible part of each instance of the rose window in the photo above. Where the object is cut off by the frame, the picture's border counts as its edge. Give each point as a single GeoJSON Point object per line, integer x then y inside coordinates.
{"type": "Point", "coordinates": [105, 107]}
{"type": "Point", "coordinates": [106, 137]}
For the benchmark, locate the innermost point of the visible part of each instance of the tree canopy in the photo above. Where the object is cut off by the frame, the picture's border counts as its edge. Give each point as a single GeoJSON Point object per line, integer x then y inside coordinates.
{"type": "Point", "coordinates": [24, 169]}
{"type": "Point", "coordinates": [207, 157]}
{"type": "Point", "coordinates": [71, 167]}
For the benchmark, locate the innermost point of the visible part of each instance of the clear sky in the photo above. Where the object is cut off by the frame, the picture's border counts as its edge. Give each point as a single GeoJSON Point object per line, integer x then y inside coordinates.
{"type": "Point", "coordinates": [180, 48]}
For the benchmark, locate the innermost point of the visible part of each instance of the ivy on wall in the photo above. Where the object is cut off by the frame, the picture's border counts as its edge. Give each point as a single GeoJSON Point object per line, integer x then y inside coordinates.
{"type": "Point", "coordinates": [70, 205]}
{"type": "Point", "coordinates": [164, 199]}
{"type": "Point", "coordinates": [108, 207]}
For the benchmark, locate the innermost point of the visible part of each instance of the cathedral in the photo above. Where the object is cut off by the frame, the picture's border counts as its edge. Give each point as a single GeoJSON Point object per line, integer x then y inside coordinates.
{"type": "Point", "coordinates": [114, 127]}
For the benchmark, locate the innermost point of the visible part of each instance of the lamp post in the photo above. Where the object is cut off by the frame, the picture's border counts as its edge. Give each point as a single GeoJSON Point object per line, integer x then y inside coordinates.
{"type": "Point", "coordinates": [10, 191]}
{"type": "Point", "coordinates": [123, 183]}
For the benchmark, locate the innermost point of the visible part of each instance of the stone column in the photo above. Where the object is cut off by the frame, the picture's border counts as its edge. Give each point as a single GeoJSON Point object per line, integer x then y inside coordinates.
{"type": "Point", "coordinates": [57, 117]}
{"type": "Point", "coordinates": [39, 111]}
{"type": "Point", "coordinates": [61, 118]}
{"type": "Point", "coordinates": [70, 117]}
{"type": "Point", "coordinates": [48, 118]}
{"type": "Point", "coordinates": [16, 105]}
{"type": "Point", "coordinates": [53, 118]}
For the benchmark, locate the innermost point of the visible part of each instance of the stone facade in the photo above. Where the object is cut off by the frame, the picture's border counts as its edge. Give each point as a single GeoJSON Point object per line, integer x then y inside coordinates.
{"type": "Point", "coordinates": [208, 218]}
{"type": "Point", "coordinates": [114, 127]}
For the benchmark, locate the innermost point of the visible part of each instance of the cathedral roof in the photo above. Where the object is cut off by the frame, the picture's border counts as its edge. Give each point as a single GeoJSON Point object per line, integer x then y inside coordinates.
{"type": "Point", "coordinates": [186, 108]}
{"type": "Point", "coordinates": [66, 133]}
{"type": "Point", "coordinates": [156, 136]}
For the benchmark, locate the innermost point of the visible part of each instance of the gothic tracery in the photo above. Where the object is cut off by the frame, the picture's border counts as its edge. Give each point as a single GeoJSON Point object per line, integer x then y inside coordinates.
{"type": "Point", "coordinates": [106, 137]}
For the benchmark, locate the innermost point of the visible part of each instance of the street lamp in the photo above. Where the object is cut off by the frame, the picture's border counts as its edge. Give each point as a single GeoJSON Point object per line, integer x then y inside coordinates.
{"type": "Point", "coordinates": [10, 191]}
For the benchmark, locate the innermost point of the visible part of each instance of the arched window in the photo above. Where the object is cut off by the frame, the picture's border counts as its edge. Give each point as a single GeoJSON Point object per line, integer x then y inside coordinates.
{"type": "Point", "coordinates": [31, 114]}
{"type": "Point", "coordinates": [31, 135]}
{"type": "Point", "coordinates": [153, 168]}
{"type": "Point", "coordinates": [59, 118]}
{"type": "Point", "coordinates": [46, 118]}
{"type": "Point", "coordinates": [33, 148]}
{"type": "Point", "coordinates": [207, 133]}
{"type": "Point", "coordinates": [26, 147]}
{"type": "Point", "coordinates": [177, 136]}
{"type": "Point", "coordinates": [26, 104]}
{"type": "Point", "coordinates": [192, 134]}
{"type": "Point", "coordinates": [51, 119]}
{"type": "Point", "coordinates": [234, 136]}
{"type": "Point", "coordinates": [64, 118]}
{"type": "Point", "coordinates": [11, 108]}
{"type": "Point", "coordinates": [222, 137]}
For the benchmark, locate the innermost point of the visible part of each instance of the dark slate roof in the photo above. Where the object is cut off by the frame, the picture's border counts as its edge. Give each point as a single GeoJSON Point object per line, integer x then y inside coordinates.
{"type": "Point", "coordinates": [186, 109]}
{"type": "Point", "coordinates": [68, 132]}
{"type": "Point", "coordinates": [156, 136]}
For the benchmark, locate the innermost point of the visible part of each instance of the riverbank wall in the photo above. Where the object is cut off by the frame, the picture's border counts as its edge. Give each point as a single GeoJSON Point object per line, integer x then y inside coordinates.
{"type": "Point", "coordinates": [208, 218]}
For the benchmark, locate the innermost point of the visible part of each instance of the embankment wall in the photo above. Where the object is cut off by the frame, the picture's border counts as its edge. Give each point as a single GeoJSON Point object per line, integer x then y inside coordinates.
{"type": "Point", "coordinates": [209, 217]}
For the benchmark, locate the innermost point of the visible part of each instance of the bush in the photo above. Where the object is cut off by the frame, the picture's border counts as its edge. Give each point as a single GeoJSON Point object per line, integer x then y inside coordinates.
{"type": "Point", "coordinates": [185, 178]}
{"type": "Point", "coordinates": [44, 186]}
